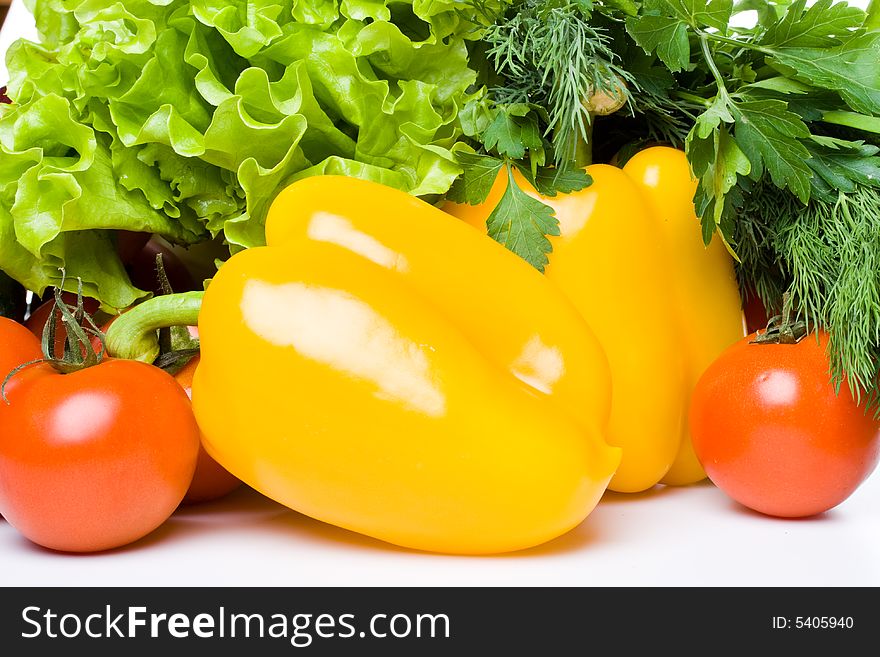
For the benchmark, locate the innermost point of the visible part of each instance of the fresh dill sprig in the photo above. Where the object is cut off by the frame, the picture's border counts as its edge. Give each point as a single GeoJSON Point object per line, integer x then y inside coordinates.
{"type": "Point", "coordinates": [780, 123]}
{"type": "Point", "coordinates": [662, 120]}
{"type": "Point", "coordinates": [658, 114]}
{"type": "Point", "coordinates": [826, 255]}
{"type": "Point", "coordinates": [759, 270]}
{"type": "Point", "coordinates": [550, 54]}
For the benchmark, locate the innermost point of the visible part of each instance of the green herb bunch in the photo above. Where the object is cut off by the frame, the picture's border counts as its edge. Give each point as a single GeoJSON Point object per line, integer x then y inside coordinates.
{"type": "Point", "coordinates": [785, 151]}
{"type": "Point", "coordinates": [544, 62]}
{"type": "Point", "coordinates": [779, 116]}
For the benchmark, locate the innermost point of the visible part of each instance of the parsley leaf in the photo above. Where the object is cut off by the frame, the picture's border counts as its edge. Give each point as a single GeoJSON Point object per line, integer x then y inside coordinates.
{"type": "Point", "coordinates": [768, 133]}
{"type": "Point", "coordinates": [478, 175]}
{"type": "Point", "coordinates": [715, 14]}
{"type": "Point", "coordinates": [851, 69]}
{"type": "Point", "coordinates": [718, 161]}
{"type": "Point", "coordinates": [715, 114]}
{"type": "Point", "coordinates": [521, 223]}
{"type": "Point", "coordinates": [667, 36]}
{"type": "Point", "coordinates": [628, 7]}
{"type": "Point", "coordinates": [823, 24]}
{"type": "Point", "coordinates": [841, 166]}
{"type": "Point", "coordinates": [550, 181]}
{"type": "Point", "coordinates": [512, 132]}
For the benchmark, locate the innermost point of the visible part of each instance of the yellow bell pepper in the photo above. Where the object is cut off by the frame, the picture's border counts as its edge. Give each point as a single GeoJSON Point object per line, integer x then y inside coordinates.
{"type": "Point", "coordinates": [384, 368]}
{"type": "Point", "coordinates": [630, 257]}
{"type": "Point", "coordinates": [707, 300]}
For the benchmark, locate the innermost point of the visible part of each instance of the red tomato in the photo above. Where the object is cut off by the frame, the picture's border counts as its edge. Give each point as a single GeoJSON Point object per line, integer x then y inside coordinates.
{"type": "Point", "coordinates": [754, 312]}
{"type": "Point", "coordinates": [211, 480]}
{"type": "Point", "coordinates": [17, 346]}
{"type": "Point", "coordinates": [770, 431]}
{"type": "Point", "coordinates": [36, 322]}
{"type": "Point", "coordinates": [95, 459]}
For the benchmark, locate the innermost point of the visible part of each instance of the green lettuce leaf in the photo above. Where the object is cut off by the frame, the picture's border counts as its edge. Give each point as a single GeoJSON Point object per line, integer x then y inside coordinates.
{"type": "Point", "coordinates": [185, 119]}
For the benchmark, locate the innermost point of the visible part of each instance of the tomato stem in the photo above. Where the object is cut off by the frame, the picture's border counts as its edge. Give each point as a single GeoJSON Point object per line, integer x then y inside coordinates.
{"type": "Point", "coordinates": [79, 351]}
{"type": "Point", "coordinates": [135, 334]}
{"type": "Point", "coordinates": [18, 369]}
{"type": "Point", "coordinates": [781, 329]}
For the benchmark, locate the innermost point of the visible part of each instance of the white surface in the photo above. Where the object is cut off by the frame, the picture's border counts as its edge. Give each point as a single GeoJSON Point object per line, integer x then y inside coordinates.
{"type": "Point", "coordinates": [693, 536]}
{"type": "Point", "coordinates": [671, 537]}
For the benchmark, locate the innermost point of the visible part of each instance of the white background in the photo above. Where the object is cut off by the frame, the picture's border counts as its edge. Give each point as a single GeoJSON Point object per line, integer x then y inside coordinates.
{"type": "Point", "coordinates": [692, 536]}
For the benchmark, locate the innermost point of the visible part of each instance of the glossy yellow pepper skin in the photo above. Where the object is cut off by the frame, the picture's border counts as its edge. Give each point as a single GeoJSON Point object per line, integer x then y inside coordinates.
{"type": "Point", "coordinates": [384, 368]}
{"type": "Point", "coordinates": [609, 260]}
{"type": "Point", "coordinates": [631, 258]}
{"type": "Point", "coordinates": [708, 301]}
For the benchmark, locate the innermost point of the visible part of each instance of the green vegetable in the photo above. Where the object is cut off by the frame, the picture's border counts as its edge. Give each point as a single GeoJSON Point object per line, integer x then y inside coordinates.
{"type": "Point", "coordinates": [780, 81]}
{"type": "Point", "coordinates": [525, 238]}
{"type": "Point", "coordinates": [780, 120]}
{"type": "Point", "coordinates": [826, 255]}
{"type": "Point", "coordinates": [185, 118]}
{"type": "Point", "coordinates": [545, 61]}
{"type": "Point", "coordinates": [550, 54]}
{"type": "Point", "coordinates": [788, 172]}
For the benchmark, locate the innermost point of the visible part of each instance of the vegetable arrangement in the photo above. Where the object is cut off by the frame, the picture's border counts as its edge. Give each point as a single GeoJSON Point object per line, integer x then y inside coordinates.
{"type": "Point", "coordinates": [462, 266]}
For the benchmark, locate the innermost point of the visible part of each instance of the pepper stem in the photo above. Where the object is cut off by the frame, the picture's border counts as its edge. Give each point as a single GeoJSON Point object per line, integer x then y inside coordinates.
{"type": "Point", "coordinates": [135, 334]}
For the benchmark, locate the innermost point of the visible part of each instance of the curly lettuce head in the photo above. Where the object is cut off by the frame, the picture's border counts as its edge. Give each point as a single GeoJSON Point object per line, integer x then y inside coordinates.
{"type": "Point", "coordinates": [185, 119]}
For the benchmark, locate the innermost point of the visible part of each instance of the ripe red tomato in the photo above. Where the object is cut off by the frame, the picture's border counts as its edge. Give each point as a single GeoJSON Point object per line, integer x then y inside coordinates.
{"type": "Point", "coordinates": [17, 346]}
{"type": "Point", "coordinates": [95, 459]}
{"type": "Point", "coordinates": [754, 312]}
{"type": "Point", "coordinates": [211, 480]}
{"type": "Point", "coordinates": [771, 432]}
